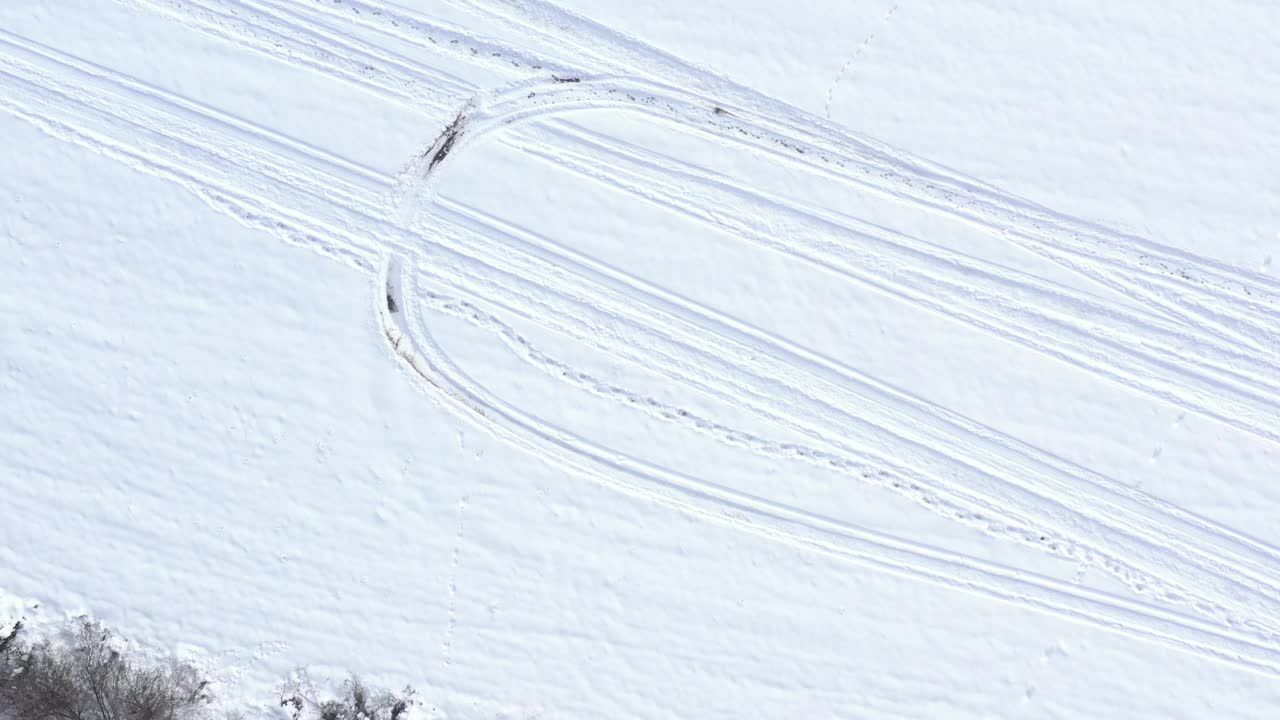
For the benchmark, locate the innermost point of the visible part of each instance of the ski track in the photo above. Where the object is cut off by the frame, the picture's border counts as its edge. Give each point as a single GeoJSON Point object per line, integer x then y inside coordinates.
{"type": "Point", "coordinates": [426, 362]}
{"type": "Point", "coordinates": [78, 102]}
{"type": "Point", "coordinates": [1162, 360]}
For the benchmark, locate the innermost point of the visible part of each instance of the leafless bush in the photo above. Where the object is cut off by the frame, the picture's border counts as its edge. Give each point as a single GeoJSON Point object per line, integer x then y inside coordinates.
{"type": "Point", "coordinates": [357, 702]}
{"type": "Point", "coordinates": [88, 679]}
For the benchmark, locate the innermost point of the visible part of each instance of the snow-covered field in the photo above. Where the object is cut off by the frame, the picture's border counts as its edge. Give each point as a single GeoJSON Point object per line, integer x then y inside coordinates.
{"type": "Point", "coordinates": [595, 359]}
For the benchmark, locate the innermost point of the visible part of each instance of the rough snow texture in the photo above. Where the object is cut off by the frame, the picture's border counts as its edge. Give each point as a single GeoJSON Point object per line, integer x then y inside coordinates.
{"type": "Point", "coordinates": [599, 359]}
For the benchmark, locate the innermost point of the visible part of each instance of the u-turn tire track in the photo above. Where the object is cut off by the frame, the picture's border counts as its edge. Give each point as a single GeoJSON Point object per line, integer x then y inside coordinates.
{"type": "Point", "coordinates": [965, 442]}
{"type": "Point", "coordinates": [59, 91]}
{"type": "Point", "coordinates": [1173, 279]}
{"type": "Point", "coordinates": [1161, 359]}
{"type": "Point", "coordinates": [1189, 287]}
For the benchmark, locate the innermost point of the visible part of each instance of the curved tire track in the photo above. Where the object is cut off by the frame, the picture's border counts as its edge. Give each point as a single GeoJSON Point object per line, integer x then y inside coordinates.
{"type": "Point", "coordinates": [427, 363]}
{"type": "Point", "coordinates": [1206, 375]}
{"type": "Point", "coordinates": [519, 272]}
{"type": "Point", "coordinates": [1156, 358]}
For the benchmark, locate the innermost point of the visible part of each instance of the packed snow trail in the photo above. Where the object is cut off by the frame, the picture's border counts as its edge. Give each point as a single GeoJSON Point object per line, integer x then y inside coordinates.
{"type": "Point", "coordinates": [693, 341]}
{"type": "Point", "coordinates": [1217, 377]}
{"type": "Point", "coordinates": [1235, 305]}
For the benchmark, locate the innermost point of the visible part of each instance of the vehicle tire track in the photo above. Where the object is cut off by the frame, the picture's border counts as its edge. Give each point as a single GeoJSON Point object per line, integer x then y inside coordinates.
{"type": "Point", "coordinates": [548, 21]}
{"type": "Point", "coordinates": [1224, 369]}
{"type": "Point", "coordinates": [1143, 353]}
{"type": "Point", "coordinates": [1191, 286]}
{"type": "Point", "coordinates": [455, 246]}
{"type": "Point", "coordinates": [280, 34]}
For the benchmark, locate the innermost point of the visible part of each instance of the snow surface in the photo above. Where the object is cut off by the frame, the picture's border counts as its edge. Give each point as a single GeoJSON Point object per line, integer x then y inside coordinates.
{"type": "Point", "coordinates": [635, 360]}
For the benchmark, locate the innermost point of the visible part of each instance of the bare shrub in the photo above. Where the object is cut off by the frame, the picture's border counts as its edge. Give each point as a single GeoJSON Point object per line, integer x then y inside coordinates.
{"type": "Point", "coordinates": [88, 679]}
{"type": "Point", "coordinates": [356, 702]}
